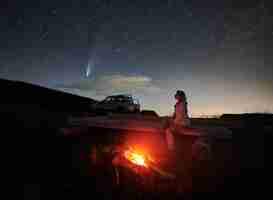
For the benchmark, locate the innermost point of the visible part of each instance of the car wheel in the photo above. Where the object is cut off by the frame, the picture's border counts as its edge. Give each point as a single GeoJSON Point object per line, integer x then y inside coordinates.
{"type": "Point", "coordinates": [120, 110]}
{"type": "Point", "coordinates": [137, 110]}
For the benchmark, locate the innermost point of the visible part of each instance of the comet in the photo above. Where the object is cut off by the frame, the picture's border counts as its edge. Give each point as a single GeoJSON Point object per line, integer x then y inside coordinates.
{"type": "Point", "coordinates": [89, 69]}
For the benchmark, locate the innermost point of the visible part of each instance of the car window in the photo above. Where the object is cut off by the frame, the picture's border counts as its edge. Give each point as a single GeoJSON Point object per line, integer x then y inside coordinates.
{"type": "Point", "coordinates": [108, 99]}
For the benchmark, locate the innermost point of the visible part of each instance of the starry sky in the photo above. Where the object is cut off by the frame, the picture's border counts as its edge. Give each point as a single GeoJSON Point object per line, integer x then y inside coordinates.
{"type": "Point", "coordinates": [217, 51]}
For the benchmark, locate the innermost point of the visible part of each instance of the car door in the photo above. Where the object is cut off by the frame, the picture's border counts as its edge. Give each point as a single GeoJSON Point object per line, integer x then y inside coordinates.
{"type": "Point", "coordinates": [106, 104]}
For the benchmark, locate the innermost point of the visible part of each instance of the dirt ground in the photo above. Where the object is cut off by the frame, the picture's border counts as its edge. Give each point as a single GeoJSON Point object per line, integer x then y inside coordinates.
{"type": "Point", "coordinates": [46, 172]}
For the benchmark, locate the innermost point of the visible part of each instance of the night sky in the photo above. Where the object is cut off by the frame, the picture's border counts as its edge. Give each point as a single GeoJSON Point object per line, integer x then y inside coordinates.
{"type": "Point", "coordinates": [218, 51]}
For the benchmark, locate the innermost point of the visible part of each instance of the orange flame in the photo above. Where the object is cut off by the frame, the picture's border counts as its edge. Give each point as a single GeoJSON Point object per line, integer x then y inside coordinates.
{"type": "Point", "coordinates": [135, 158]}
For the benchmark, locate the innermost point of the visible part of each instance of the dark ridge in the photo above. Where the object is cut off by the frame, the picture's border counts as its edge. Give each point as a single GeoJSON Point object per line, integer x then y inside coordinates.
{"type": "Point", "coordinates": [248, 116]}
{"type": "Point", "coordinates": [21, 93]}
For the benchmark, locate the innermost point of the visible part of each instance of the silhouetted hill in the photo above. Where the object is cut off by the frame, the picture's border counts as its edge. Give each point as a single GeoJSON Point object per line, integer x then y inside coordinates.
{"type": "Point", "coordinates": [31, 117]}
{"type": "Point", "coordinates": [21, 93]}
{"type": "Point", "coordinates": [248, 116]}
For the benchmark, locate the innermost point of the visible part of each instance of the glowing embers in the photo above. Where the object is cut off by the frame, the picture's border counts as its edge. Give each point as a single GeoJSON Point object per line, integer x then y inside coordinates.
{"type": "Point", "coordinates": [135, 157]}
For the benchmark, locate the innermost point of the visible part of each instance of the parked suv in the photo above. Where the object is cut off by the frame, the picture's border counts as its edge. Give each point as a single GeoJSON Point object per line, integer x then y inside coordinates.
{"type": "Point", "coordinates": [118, 103]}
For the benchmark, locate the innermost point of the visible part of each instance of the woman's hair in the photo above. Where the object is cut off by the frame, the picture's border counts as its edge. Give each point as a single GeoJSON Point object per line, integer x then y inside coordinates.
{"type": "Point", "coordinates": [182, 95]}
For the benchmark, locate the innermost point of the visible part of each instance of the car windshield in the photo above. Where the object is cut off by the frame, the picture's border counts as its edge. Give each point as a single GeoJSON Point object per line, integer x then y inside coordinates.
{"type": "Point", "coordinates": [108, 99]}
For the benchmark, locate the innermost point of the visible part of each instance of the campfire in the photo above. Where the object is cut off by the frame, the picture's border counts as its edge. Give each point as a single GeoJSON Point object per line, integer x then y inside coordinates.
{"type": "Point", "coordinates": [135, 157]}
